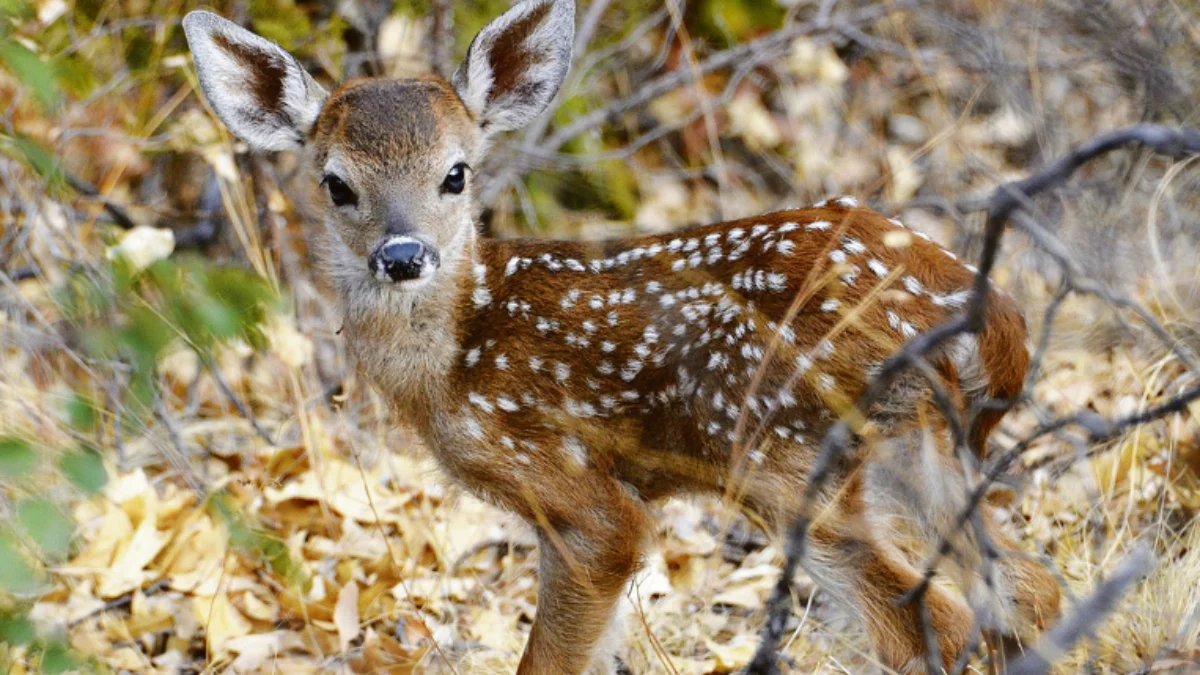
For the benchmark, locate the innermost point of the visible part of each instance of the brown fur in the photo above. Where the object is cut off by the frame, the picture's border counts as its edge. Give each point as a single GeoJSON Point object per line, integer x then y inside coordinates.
{"type": "Point", "coordinates": [640, 451]}
{"type": "Point", "coordinates": [575, 384]}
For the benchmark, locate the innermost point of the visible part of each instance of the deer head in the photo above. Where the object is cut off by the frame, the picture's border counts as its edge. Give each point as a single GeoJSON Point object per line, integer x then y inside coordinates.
{"type": "Point", "coordinates": [394, 157]}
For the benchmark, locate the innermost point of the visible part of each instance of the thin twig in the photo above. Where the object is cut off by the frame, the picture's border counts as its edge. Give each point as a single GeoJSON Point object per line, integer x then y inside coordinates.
{"type": "Point", "coordinates": [655, 88]}
{"type": "Point", "coordinates": [441, 37]}
{"type": "Point", "coordinates": [243, 409]}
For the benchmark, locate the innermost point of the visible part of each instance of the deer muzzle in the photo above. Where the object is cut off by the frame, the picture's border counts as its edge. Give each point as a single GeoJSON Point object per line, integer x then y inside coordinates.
{"type": "Point", "coordinates": [403, 258]}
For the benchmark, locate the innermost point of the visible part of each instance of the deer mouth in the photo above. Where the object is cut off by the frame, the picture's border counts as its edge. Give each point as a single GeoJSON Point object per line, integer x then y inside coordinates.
{"type": "Point", "coordinates": [405, 260]}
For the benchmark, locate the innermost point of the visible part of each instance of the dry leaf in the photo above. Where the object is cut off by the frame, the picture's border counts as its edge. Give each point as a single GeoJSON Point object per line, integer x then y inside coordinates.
{"type": "Point", "coordinates": [345, 615]}
{"type": "Point", "coordinates": [221, 620]}
{"type": "Point", "coordinates": [142, 246]}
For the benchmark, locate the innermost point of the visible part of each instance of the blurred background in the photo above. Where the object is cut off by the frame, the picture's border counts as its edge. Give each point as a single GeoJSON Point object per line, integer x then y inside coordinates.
{"type": "Point", "coordinates": [192, 477]}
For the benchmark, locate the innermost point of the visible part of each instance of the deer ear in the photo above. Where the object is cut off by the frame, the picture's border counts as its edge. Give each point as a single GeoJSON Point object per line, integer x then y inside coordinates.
{"type": "Point", "coordinates": [517, 63]}
{"type": "Point", "coordinates": [257, 89]}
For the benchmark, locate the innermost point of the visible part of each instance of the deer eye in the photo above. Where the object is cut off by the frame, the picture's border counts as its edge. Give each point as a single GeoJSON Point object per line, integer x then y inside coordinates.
{"type": "Point", "coordinates": [456, 180]}
{"type": "Point", "coordinates": [339, 193]}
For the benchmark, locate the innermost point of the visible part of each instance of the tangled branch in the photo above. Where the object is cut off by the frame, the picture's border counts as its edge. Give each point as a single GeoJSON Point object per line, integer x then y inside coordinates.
{"type": "Point", "coordinates": [1005, 202]}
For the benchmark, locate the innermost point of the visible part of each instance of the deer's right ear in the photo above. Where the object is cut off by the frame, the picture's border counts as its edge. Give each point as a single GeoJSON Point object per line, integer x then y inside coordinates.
{"type": "Point", "coordinates": [257, 89]}
{"type": "Point", "coordinates": [516, 64]}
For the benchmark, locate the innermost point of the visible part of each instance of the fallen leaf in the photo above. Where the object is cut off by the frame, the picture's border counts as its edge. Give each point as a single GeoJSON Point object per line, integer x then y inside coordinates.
{"type": "Point", "coordinates": [345, 614]}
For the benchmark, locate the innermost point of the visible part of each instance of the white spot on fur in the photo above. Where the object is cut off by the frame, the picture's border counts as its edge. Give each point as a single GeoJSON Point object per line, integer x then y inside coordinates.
{"type": "Point", "coordinates": [482, 297]}
{"type": "Point", "coordinates": [575, 450]}
{"type": "Point", "coordinates": [717, 360]}
{"type": "Point", "coordinates": [474, 430]}
{"type": "Point", "coordinates": [562, 371]}
{"type": "Point", "coordinates": [480, 401]}
{"type": "Point", "coordinates": [631, 369]}
{"type": "Point", "coordinates": [955, 299]}
{"type": "Point", "coordinates": [824, 349]}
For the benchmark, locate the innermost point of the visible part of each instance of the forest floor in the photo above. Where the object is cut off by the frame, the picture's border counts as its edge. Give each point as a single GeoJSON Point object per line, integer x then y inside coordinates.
{"type": "Point", "coordinates": [264, 513]}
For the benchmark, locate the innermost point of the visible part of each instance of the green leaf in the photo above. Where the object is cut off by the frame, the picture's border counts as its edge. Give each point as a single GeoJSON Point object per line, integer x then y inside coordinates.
{"type": "Point", "coordinates": [34, 155]}
{"type": "Point", "coordinates": [16, 629]}
{"type": "Point", "coordinates": [84, 469]}
{"type": "Point", "coordinates": [16, 574]}
{"type": "Point", "coordinates": [145, 336]}
{"type": "Point", "coordinates": [139, 48]}
{"type": "Point", "coordinates": [47, 525]}
{"type": "Point", "coordinates": [272, 550]}
{"type": "Point", "coordinates": [57, 658]}
{"type": "Point", "coordinates": [81, 412]}
{"type": "Point", "coordinates": [75, 74]}
{"type": "Point", "coordinates": [281, 22]}
{"type": "Point", "coordinates": [212, 319]}
{"type": "Point", "coordinates": [17, 458]}
{"type": "Point", "coordinates": [18, 9]}
{"type": "Point", "coordinates": [31, 71]}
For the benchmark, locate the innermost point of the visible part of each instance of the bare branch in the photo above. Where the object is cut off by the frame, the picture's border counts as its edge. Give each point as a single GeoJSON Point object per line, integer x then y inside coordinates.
{"type": "Point", "coordinates": [1005, 201]}
{"type": "Point", "coordinates": [441, 37]}
{"type": "Point", "coordinates": [662, 84]}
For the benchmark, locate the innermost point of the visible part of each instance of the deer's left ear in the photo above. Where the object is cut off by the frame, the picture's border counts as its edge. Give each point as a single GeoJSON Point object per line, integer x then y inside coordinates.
{"type": "Point", "coordinates": [257, 89]}
{"type": "Point", "coordinates": [517, 63]}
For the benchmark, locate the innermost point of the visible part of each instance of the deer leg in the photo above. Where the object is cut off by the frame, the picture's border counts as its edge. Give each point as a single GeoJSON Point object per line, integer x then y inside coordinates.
{"type": "Point", "coordinates": [872, 579]}
{"type": "Point", "coordinates": [585, 564]}
{"type": "Point", "coordinates": [1027, 590]}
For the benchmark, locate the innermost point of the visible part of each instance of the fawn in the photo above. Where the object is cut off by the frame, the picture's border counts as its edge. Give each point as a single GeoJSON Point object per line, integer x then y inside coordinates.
{"type": "Point", "coordinates": [574, 384]}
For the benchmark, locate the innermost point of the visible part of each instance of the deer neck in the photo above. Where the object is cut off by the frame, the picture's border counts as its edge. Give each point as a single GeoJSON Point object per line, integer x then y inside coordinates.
{"type": "Point", "coordinates": [406, 343]}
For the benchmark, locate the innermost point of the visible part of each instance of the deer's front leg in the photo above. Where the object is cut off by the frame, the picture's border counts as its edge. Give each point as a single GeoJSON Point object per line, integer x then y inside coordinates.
{"type": "Point", "coordinates": [586, 561]}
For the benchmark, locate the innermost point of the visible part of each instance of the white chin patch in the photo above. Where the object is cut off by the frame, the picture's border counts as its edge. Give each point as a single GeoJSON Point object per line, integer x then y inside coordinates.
{"type": "Point", "coordinates": [414, 285]}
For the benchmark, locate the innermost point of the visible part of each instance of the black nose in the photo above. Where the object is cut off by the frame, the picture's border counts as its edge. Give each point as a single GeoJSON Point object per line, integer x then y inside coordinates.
{"type": "Point", "coordinates": [402, 258]}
